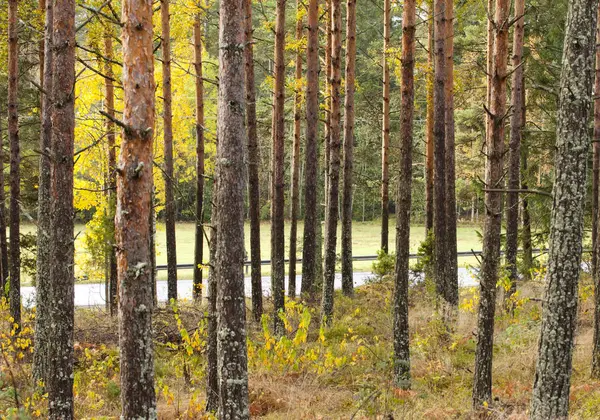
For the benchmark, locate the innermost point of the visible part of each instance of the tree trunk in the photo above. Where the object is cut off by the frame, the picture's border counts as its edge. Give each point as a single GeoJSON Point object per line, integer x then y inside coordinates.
{"type": "Point", "coordinates": [212, 372]}
{"type": "Point", "coordinates": [595, 202]}
{"type": "Point", "coordinates": [482, 387]}
{"type": "Point", "coordinates": [526, 235]}
{"type": "Point", "coordinates": [253, 179]}
{"type": "Point", "coordinates": [347, 281]}
{"type": "Point", "coordinates": [331, 214]}
{"type": "Point", "coordinates": [310, 251]}
{"type": "Point", "coordinates": [401, 330]}
{"type": "Point", "coordinates": [277, 168]}
{"type": "Point", "coordinates": [429, 137]}
{"type": "Point", "coordinates": [15, 159]}
{"type": "Point", "coordinates": [295, 193]}
{"type": "Point", "coordinates": [489, 64]}
{"type": "Point", "coordinates": [385, 131]}
{"type": "Point", "coordinates": [514, 156]}
{"type": "Point", "coordinates": [229, 252]}
{"type": "Point", "coordinates": [328, 97]}
{"type": "Point", "coordinates": [44, 221]}
{"type": "Point", "coordinates": [552, 380]}
{"type": "Point", "coordinates": [451, 288]}
{"type": "Point", "coordinates": [62, 254]}
{"type": "Point", "coordinates": [134, 201]}
{"type": "Point", "coordinates": [439, 135]}
{"type": "Point", "coordinates": [199, 234]}
{"type": "Point", "coordinates": [170, 209]}
{"type": "Point", "coordinates": [112, 162]}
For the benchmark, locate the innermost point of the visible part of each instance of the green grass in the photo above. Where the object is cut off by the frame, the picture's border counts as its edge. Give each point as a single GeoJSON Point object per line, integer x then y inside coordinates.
{"type": "Point", "coordinates": [365, 241]}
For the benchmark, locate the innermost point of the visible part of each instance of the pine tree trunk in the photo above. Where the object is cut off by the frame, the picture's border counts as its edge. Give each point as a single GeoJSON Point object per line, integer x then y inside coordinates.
{"type": "Point", "coordinates": [229, 252]}
{"type": "Point", "coordinates": [62, 253]}
{"type": "Point", "coordinates": [295, 192]}
{"type": "Point", "coordinates": [451, 288]}
{"type": "Point", "coordinates": [482, 387]}
{"type": "Point", "coordinates": [328, 97]}
{"type": "Point", "coordinates": [199, 233]}
{"type": "Point", "coordinates": [552, 380]}
{"type": "Point", "coordinates": [310, 251]}
{"type": "Point", "coordinates": [489, 64]}
{"type": "Point", "coordinates": [170, 205]}
{"type": "Point", "coordinates": [347, 280]}
{"type": "Point", "coordinates": [401, 330]}
{"type": "Point", "coordinates": [595, 202]}
{"type": "Point", "coordinates": [44, 221]}
{"type": "Point", "coordinates": [526, 235]}
{"type": "Point", "coordinates": [385, 131]}
{"type": "Point", "coordinates": [15, 159]}
{"type": "Point", "coordinates": [331, 214]}
{"type": "Point", "coordinates": [439, 135]}
{"type": "Point", "coordinates": [212, 372]}
{"type": "Point", "coordinates": [112, 164]}
{"type": "Point", "coordinates": [277, 168]}
{"type": "Point", "coordinates": [134, 202]}
{"type": "Point", "coordinates": [514, 156]}
{"type": "Point", "coordinates": [429, 137]}
{"type": "Point", "coordinates": [253, 162]}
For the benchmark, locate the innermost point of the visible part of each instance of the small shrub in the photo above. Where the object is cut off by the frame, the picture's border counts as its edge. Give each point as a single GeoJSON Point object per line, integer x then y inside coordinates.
{"type": "Point", "coordinates": [384, 265]}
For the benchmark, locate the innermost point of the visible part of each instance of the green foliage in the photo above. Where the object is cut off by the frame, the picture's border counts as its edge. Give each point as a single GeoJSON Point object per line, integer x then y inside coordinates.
{"type": "Point", "coordinates": [385, 264]}
{"type": "Point", "coordinates": [425, 254]}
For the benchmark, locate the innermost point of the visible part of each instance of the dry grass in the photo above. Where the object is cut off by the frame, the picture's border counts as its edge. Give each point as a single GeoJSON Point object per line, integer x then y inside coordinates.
{"type": "Point", "coordinates": [441, 364]}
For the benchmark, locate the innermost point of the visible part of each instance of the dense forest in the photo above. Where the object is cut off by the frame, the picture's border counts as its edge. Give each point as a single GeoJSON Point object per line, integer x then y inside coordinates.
{"type": "Point", "coordinates": [312, 209]}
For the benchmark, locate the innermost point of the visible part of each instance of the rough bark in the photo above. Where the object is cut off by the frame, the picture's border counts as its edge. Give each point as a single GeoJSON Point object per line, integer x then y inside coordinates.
{"type": "Point", "coordinates": [451, 287]}
{"type": "Point", "coordinates": [482, 387]}
{"type": "Point", "coordinates": [212, 373]}
{"type": "Point", "coordinates": [385, 129]}
{"type": "Point", "coordinates": [310, 251]}
{"type": "Point", "coordinates": [229, 253]}
{"type": "Point", "coordinates": [526, 230]}
{"type": "Point", "coordinates": [295, 192]}
{"type": "Point", "coordinates": [44, 225]}
{"type": "Point", "coordinates": [277, 172]}
{"type": "Point", "coordinates": [253, 162]}
{"type": "Point", "coordinates": [331, 213]}
{"type": "Point", "coordinates": [489, 63]}
{"type": "Point", "coordinates": [112, 165]}
{"type": "Point", "coordinates": [439, 136]}
{"type": "Point", "coordinates": [170, 209]}
{"type": "Point", "coordinates": [199, 233]}
{"type": "Point", "coordinates": [514, 154]}
{"type": "Point", "coordinates": [328, 97]}
{"type": "Point", "coordinates": [15, 160]}
{"type": "Point", "coordinates": [134, 201]}
{"type": "Point", "coordinates": [401, 330]}
{"type": "Point", "coordinates": [552, 380]}
{"type": "Point", "coordinates": [595, 202]}
{"type": "Point", "coordinates": [429, 137]}
{"type": "Point", "coordinates": [62, 254]}
{"type": "Point", "coordinates": [347, 183]}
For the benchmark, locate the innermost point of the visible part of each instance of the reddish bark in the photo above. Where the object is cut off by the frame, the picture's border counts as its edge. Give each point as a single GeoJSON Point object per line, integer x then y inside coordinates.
{"type": "Point", "coordinates": [134, 199]}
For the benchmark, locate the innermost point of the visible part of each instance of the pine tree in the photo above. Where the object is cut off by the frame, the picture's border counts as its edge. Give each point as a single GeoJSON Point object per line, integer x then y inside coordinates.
{"type": "Point", "coordinates": [229, 201]}
{"type": "Point", "coordinates": [401, 327]}
{"type": "Point", "coordinates": [134, 202]}
{"type": "Point", "coordinates": [552, 380]}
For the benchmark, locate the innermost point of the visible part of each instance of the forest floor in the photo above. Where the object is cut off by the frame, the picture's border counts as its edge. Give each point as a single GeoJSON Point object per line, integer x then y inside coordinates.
{"type": "Point", "coordinates": [312, 373]}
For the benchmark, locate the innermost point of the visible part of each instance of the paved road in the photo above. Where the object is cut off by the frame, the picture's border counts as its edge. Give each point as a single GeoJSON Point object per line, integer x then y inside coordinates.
{"type": "Point", "coordinates": [92, 294]}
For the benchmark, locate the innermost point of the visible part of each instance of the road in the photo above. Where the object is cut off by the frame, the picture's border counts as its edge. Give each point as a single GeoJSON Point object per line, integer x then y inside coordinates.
{"type": "Point", "coordinates": [92, 294]}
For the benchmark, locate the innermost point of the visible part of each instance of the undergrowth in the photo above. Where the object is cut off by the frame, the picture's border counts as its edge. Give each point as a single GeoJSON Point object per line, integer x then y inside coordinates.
{"type": "Point", "coordinates": [312, 371]}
